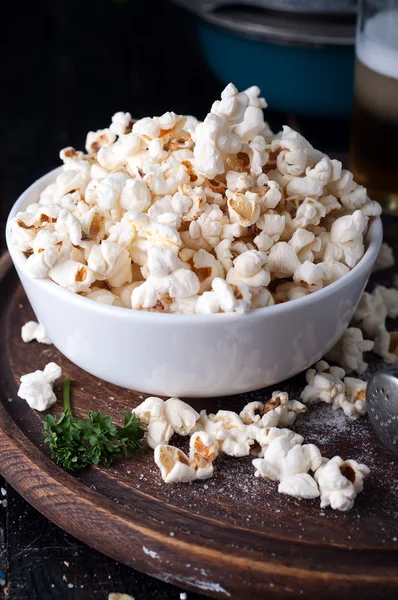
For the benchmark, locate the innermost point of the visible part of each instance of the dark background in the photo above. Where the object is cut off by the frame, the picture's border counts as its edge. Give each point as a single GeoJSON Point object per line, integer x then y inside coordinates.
{"type": "Point", "coordinates": [67, 66]}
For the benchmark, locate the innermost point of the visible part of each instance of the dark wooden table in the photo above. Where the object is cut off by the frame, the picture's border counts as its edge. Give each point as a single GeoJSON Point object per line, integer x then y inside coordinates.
{"type": "Point", "coordinates": [70, 65]}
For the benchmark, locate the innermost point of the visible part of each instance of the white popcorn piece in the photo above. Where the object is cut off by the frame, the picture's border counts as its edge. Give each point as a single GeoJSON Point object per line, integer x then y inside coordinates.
{"type": "Point", "coordinates": [389, 297]}
{"type": "Point", "coordinates": [251, 414]}
{"type": "Point", "coordinates": [337, 269]}
{"type": "Point", "coordinates": [263, 436]}
{"type": "Point", "coordinates": [301, 485]}
{"type": "Point", "coordinates": [283, 458]}
{"type": "Point", "coordinates": [96, 139]}
{"type": "Point", "coordinates": [176, 467]}
{"type": "Point", "coordinates": [184, 306]}
{"type": "Point", "coordinates": [104, 296]}
{"type": "Point", "coordinates": [272, 226]}
{"type": "Point", "coordinates": [348, 352]}
{"type": "Point", "coordinates": [93, 224]}
{"type": "Point", "coordinates": [305, 187]}
{"type": "Point", "coordinates": [311, 273]}
{"type": "Point", "coordinates": [222, 298]}
{"type": "Point", "coordinates": [385, 259]}
{"type": "Point", "coordinates": [72, 275]}
{"type": "Point", "coordinates": [270, 194]}
{"type": "Point", "coordinates": [37, 387]}
{"type": "Point", "coordinates": [182, 283]}
{"type": "Point", "coordinates": [282, 260]}
{"type": "Point", "coordinates": [354, 404]}
{"type": "Point", "coordinates": [324, 384]}
{"type": "Point", "coordinates": [34, 331]}
{"type": "Point", "coordinates": [243, 208]}
{"type": "Point", "coordinates": [206, 268]}
{"type": "Point", "coordinates": [224, 254]}
{"type": "Point", "coordinates": [370, 314]}
{"type": "Point", "coordinates": [135, 196]}
{"type": "Point", "coordinates": [330, 203]}
{"type": "Point", "coordinates": [109, 190]}
{"type": "Point", "coordinates": [250, 268]}
{"type": "Point", "coordinates": [214, 139]}
{"type": "Point", "coordinates": [69, 182]}
{"type": "Point", "coordinates": [340, 482]}
{"type": "Point", "coordinates": [124, 293]}
{"type": "Point", "coordinates": [310, 212]}
{"type": "Point", "coordinates": [253, 119]}
{"type": "Point", "coordinates": [278, 411]}
{"type": "Point", "coordinates": [124, 152]}
{"type": "Point", "coordinates": [261, 298]}
{"type": "Point", "coordinates": [231, 434]}
{"type": "Point", "coordinates": [180, 415]}
{"type": "Point", "coordinates": [296, 152]}
{"type": "Point", "coordinates": [48, 249]}
{"type": "Point", "coordinates": [151, 413]}
{"type": "Point", "coordinates": [258, 154]}
{"type": "Point", "coordinates": [203, 451]}
{"type": "Point", "coordinates": [239, 182]}
{"type": "Point", "coordinates": [109, 261]}
{"type": "Point", "coordinates": [70, 225]}
{"type": "Point", "coordinates": [347, 233]}
{"type": "Point", "coordinates": [290, 291]}
{"type": "Point", "coordinates": [232, 105]}
{"type": "Point", "coordinates": [121, 123]}
{"type": "Point", "coordinates": [173, 464]}
{"type": "Point", "coordinates": [305, 244]}
{"type": "Point", "coordinates": [386, 345]}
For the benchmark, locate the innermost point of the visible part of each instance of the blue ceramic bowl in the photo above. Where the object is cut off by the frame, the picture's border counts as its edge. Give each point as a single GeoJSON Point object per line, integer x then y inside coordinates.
{"type": "Point", "coordinates": [305, 80]}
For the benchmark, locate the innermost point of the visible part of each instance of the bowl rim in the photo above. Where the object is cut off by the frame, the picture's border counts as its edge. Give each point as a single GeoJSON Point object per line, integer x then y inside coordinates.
{"type": "Point", "coordinates": [373, 238]}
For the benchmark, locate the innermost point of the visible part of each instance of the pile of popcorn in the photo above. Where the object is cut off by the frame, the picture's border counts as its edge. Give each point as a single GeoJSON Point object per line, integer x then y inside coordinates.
{"type": "Point", "coordinates": [175, 215]}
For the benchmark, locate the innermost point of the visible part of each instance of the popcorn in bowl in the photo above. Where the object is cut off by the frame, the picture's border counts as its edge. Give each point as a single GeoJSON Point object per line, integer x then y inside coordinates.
{"type": "Point", "coordinates": [169, 214]}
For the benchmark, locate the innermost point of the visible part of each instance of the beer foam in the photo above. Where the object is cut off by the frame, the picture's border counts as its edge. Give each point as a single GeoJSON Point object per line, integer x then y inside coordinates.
{"type": "Point", "coordinates": [377, 44]}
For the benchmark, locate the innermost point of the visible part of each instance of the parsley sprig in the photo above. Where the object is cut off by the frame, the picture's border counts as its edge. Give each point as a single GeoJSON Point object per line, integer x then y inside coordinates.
{"type": "Point", "coordinates": [77, 443]}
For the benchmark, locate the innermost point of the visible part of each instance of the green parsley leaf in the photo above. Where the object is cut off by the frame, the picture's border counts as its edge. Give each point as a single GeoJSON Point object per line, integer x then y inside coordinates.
{"type": "Point", "coordinates": [77, 443]}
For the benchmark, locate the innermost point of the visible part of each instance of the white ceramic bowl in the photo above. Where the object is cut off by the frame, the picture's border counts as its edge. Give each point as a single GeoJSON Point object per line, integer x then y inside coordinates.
{"type": "Point", "coordinates": [193, 355]}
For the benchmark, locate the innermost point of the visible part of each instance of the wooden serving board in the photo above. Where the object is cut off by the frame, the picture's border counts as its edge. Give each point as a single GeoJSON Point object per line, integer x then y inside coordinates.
{"type": "Point", "coordinates": [232, 536]}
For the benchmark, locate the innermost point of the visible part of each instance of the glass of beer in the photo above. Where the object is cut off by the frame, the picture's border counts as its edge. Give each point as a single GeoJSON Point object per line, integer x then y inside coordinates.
{"type": "Point", "coordinates": [374, 138]}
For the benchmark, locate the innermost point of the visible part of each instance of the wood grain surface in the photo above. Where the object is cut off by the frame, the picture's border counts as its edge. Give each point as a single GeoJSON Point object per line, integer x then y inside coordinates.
{"type": "Point", "coordinates": [232, 536]}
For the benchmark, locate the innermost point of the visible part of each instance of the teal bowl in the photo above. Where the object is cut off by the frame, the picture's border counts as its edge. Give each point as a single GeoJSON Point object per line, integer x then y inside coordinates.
{"type": "Point", "coordinates": [298, 79]}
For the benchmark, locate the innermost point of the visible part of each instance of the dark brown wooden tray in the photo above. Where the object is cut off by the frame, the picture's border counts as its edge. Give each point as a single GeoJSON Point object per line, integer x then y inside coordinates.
{"type": "Point", "coordinates": [232, 536]}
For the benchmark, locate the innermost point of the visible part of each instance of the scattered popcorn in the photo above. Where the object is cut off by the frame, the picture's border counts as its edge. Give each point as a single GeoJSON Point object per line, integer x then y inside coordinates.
{"type": "Point", "coordinates": [151, 413]}
{"type": "Point", "coordinates": [287, 461]}
{"type": "Point", "coordinates": [37, 387]}
{"type": "Point", "coordinates": [324, 384]}
{"type": "Point", "coordinates": [252, 218]}
{"type": "Point", "coordinates": [281, 456]}
{"type": "Point", "coordinates": [354, 404]}
{"type": "Point", "coordinates": [278, 411]}
{"type": "Point", "coordinates": [385, 258]}
{"type": "Point", "coordinates": [231, 433]}
{"type": "Point", "coordinates": [34, 331]}
{"type": "Point", "coordinates": [163, 419]}
{"type": "Point", "coordinates": [340, 482]}
{"type": "Point", "coordinates": [173, 464]}
{"type": "Point", "coordinates": [348, 352]}
{"type": "Point", "coordinates": [301, 485]}
{"type": "Point", "coordinates": [371, 314]}
{"type": "Point", "coordinates": [176, 467]}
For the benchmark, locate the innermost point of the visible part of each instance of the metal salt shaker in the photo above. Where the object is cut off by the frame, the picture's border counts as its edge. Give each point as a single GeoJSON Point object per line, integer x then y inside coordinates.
{"type": "Point", "coordinates": [382, 402]}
